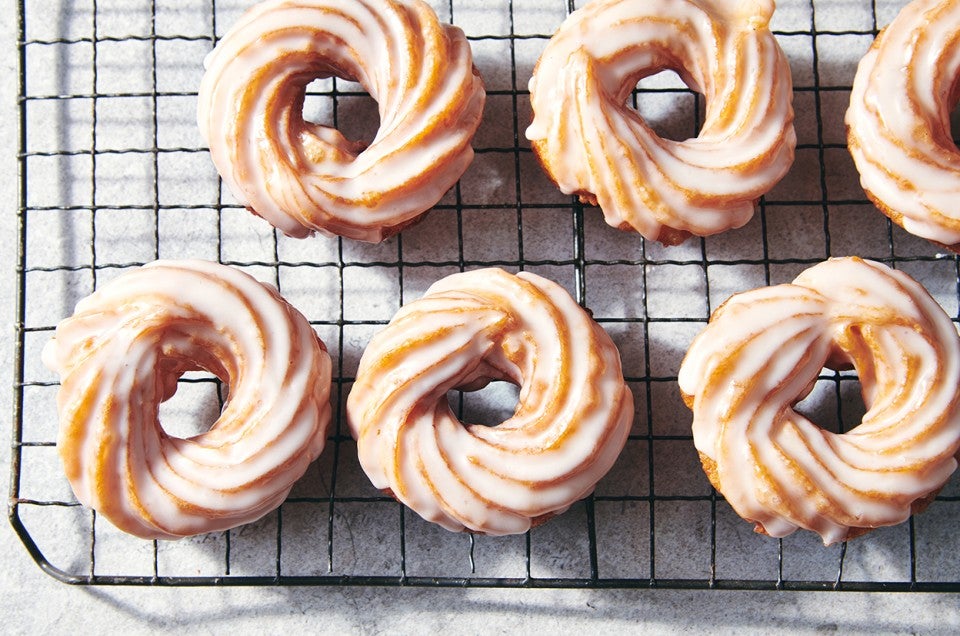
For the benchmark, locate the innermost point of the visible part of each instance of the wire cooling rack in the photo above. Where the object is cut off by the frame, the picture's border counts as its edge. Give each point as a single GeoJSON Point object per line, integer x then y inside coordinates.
{"type": "Point", "coordinates": [113, 174]}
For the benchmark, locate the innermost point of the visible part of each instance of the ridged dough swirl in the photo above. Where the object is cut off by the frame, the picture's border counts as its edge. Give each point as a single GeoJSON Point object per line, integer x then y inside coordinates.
{"type": "Point", "coordinates": [121, 354]}
{"type": "Point", "coordinates": [898, 123]}
{"type": "Point", "coordinates": [570, 424]}
{"type": "Point", "coordinates": [593, 145]}
{"type": "Point", "coordinates": [761, 354]}
{"type": "Point", "coordinates": [302, 177]}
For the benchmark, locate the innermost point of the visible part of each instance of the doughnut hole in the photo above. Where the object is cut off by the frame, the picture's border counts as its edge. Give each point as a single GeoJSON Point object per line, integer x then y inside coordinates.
{"type": "Point", "coordinates": [834, 404]}
{"type": "Point", "coordinates": [664, 102]}
{"type": "Point", "coordinates": [955, 125]}
{"type": "Point", "coordinates": [194, 407]}
{"type": "Point", "coordinates": [490, 405]}
{"type": "Point", "coordinates": [953, 112]}
{"type": "Point", "coordinates": [345, 106]}
{"type": "Point", "coordinates": [835, 401]}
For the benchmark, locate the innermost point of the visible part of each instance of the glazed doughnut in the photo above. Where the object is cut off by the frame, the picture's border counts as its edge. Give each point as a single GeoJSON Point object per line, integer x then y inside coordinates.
{"type": "Point", "coordinates": [762, 353]}
{"type": "Point", "coordinates": [302, 177]}
{"type": "Point", "coordinates": [593, 145]}
{"type": "Point", "coordinates": [898, 123]}
{"type": "Point", "coordinates": [570, 424]}
{"type": "Point", "coordinates": [120, 355]}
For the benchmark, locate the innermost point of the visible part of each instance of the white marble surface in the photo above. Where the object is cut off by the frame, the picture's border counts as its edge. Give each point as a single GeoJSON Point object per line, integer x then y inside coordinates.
{"type": "Point", "coordinates": [35, 603]}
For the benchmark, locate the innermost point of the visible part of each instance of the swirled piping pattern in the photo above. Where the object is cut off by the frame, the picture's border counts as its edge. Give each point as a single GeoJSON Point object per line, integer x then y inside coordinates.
{"type": "Point", "coordinates": [121, 354]}
{"type": "Point", "coordinates": [592, 144]}
{"type": "Point", "coordinates": [761, 354]}
{"type": "Point", "coordinates": [898, 122]}
{"type": "Point", "coordinates": [570, 424]}
{"type": "Point", "coordinates": [304, 177]}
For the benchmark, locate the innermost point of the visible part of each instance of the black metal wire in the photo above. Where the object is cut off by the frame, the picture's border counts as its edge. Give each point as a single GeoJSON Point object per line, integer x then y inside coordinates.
{"type": "Point", "coordinates": [86, 569]}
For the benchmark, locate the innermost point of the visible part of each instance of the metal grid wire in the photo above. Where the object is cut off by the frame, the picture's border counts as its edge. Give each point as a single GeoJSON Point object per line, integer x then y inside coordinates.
{"type": "Point", "coordinates": [122, 174]}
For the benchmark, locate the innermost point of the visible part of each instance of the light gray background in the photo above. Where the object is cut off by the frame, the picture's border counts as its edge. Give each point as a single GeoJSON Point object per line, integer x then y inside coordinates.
{"type": "Point", "coordinates": [34, 602]}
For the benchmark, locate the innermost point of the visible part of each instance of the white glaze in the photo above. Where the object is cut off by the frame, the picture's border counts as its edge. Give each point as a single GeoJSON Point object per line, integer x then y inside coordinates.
{"type": "Point", "coordinates": [303, 177]}
{"type": "Point", "coordinates": [761, 353]}
{"type": "Point", "coordinates": [121, 354]}
{"type": "Point", "coordinates": [571, 422]}
{"type": "Point", "coordinates": [899, 120]}
{"type": "Point", "coordinates": [591, 143]}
